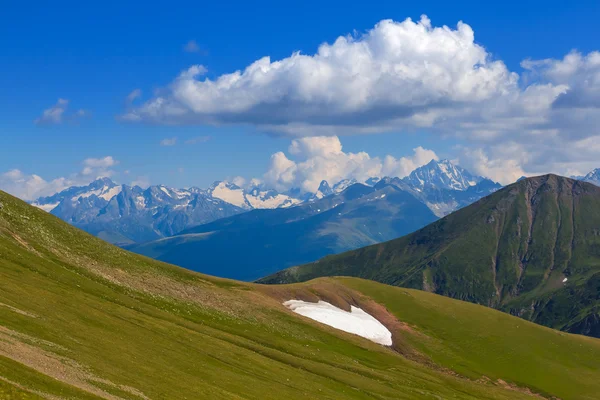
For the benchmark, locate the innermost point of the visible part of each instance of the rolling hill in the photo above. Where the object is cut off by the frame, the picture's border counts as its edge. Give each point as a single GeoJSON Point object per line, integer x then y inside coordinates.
{"type": "Point", "coordinates": [531, 249]}
{"type": "Point", "coordinates": [257, 243]}
{"type": "Point", "coordinates": [82, 319]}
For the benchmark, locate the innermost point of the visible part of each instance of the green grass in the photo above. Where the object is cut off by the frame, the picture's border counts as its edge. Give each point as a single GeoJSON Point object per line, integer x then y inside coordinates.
{"type": "Point", "coordinates": [82, 319]}
{"type": "Point", "coordinates": [475, 341]}
{"type": "Point", "coordinates": [510, 250]}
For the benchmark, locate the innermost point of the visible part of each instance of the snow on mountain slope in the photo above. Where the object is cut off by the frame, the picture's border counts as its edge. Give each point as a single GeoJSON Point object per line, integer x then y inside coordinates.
{"type": "Point", "coordinates": [229, 193]}
{"type": "Point", "coordinates": [103, 188]}
{"type": "Point", "coordinates": [258, 198]}
{"type": "Point", "coordinates": [356, 321]}
{"type": "Point", "coordinates": [345, 184]}
{"type": "Point", "coordinates": [324, 190]}
{"type": "Point", "coordinates": [106, 192]}
{"type": "Point", "coordinates": [593, 177]}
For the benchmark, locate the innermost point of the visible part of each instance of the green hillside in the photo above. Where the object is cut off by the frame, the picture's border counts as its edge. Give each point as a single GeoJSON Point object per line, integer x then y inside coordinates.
{"type": "Point", "coordinates": [81, 319]}
{"type": "Point", "coordinates": [531, 249]}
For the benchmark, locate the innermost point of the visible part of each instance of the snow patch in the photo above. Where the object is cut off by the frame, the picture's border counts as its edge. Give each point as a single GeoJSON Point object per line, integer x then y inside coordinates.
{"type": "Point", "coordinates": [46, 207]}
{"type": "Point", "coordinates": [356, 321]}
{"type": "Point", "coordinates": [231, 196]}
{"type": "Point", "coordinates": [264, 200]}
{"type": "Point", "coordinates": [105, 193]}
{"type": "Point", "coordinates": [140, 202]}
{"type": "Point", "coordinates": [181, 193]}
{"type": "Point", "coordinates": [111, 193]}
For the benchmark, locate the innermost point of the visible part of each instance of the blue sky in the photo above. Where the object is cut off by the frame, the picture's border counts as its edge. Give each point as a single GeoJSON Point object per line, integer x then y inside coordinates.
{"type": "Point", "coordinates": [95, 56]}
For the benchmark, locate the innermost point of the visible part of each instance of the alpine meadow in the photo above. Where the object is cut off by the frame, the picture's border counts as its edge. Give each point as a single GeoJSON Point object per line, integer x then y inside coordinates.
{"type": "Point", "coordinates": [300, 200]}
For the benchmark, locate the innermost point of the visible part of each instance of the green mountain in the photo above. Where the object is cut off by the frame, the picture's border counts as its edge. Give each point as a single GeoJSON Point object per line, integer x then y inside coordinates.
{"type": "Point", "coordinates": [531, 249]}
{"type": "Point", "coordinates": [260, 242]}
{"type": "Point", "coordinates": [82, 319]}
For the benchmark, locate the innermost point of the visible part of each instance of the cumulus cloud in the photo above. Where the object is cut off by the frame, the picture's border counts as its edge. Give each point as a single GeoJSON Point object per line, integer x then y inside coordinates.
{"type": "Point", "coordinates": [313, 159]}
{"type": "Point", "coordinates": [401, 76]}
{"type": "Point", "coordinates": [504, 169]}
{"type": "Point", "coordinates": [29, 187]}
{"type": "Point", "coordinates": [579, 72]}
{"type": "Point", "coordinates": [169, 141]}
{"type": "Point", "coordinates": [397, 74]}
{"type": "Point", "coordinates": [32, 186]}
{"type": "Point", "coordinates": [405, 165]}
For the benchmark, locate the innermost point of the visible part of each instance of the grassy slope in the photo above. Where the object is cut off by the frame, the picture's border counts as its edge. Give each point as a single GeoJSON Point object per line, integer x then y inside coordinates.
{"type": "Point", "coordinates": [510, 250]}
{"type": "Point", "coordinates": [82, 319]}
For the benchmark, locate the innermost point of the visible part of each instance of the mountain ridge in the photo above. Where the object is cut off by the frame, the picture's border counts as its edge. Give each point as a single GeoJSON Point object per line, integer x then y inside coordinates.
{"type": "Point", "coordinates": [529, 249]}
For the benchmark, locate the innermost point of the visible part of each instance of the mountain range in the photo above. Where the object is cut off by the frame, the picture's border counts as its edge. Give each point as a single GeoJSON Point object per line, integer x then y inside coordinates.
{"type": "Point", "coordinates": [125, 215]}
{"type": "Point", "coordinates": [346, 216]}
{"type": "Point", "coordinates": [531, 249]}
{"type": "Point", "coordinates": [83, 319]}
{"type": "Point", "coordinates": [266, 241]}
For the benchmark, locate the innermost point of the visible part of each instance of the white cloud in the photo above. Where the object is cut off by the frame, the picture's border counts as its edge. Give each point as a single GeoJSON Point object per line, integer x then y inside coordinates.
{"type": "Point", "coordinates": [104, 162]}
{"type": "Point", "coordinates": [239, 181]}
{"type": "Point", "coordinates": [404, 76]}
{"type": "Point", "coordinates": [505, 169]}
{"type": "Point", "coordinates": [54, 114]}
{"type": "Point", "coordinates": [405, 165]}
{"type": "Point", "coordinates": [322, 157]}
{"type": "Point", "coordinates": [169, 141]}
{"type": "Point", "coordinates": [57, 114]}
{"type": "Point", "coordinates": [31, 186]}
{"type": "Point", "coordinates": [28, 187]}
{"type": "Point", "coordinates": [191, 47]}
{"type": "Point", "coordinates": [397, 74]}
{"type": "Point", "coordinates": [198, 139]}
{"type": "Point", "coordinates": [133, 96]}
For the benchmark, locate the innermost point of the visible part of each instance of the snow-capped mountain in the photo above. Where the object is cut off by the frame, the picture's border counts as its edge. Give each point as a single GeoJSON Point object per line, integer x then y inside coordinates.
{"type": "Point", "coordinates": [324, 190]}
{"type": "Point", "coordinates": [255, 197]}
{"type": "Point", "coordinates": [346, 183]}
{"type": "Point", "coordinates": [103, 188]}
{"type": "Point", "coordinates": [124, 214]}
{"type": "Point", "coordinates": [443, 186]}
{"type": "Point", "coordinates": [593, 177]}
{"type": "Point", "coordinates": [268, 240]}
{"type": "Point", "coordinates": [442, 175]}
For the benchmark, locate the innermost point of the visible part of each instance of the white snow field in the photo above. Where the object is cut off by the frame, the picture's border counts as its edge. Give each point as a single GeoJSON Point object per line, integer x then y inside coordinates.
{"type": "Point", "coordinates": [356, 321]}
